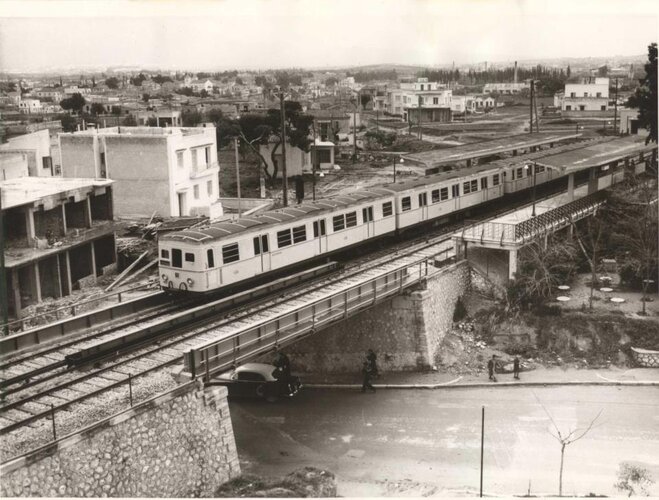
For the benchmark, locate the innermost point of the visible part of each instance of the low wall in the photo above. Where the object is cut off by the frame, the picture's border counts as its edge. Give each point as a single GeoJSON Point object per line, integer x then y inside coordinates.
{"type": "Point", "coordinates": [405, 331]}
{"type": "Point", "coordinates": [179, 444]}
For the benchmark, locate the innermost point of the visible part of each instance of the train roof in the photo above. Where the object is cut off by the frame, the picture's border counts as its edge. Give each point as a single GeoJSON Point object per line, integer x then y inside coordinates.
{"type": "Point", "coordinates": [401, 186]}
{"type": "Point", "coordinates": [220, 230]}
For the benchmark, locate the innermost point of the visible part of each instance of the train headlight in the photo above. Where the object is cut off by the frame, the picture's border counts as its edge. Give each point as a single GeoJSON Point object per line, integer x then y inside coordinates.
{"type": "Point", "coordinates": [190, 281]}
{"type": "Point", "coordinates": [164, 277]}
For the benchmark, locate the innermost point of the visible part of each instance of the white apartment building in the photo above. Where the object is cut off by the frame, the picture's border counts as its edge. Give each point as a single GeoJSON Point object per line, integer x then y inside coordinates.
{"type": "Point", "coordinates": [420, 94]}
{"type": "Point", "coordinates": [36, 149]}
{"type": "Point", "coordinates": [30, 106]}
{"type": "Point", "coordinates": [171, 171]}
{"type": "Point", "coordinates": [586, 96]}
{"type": "Point", "coordinates": [505, 88]}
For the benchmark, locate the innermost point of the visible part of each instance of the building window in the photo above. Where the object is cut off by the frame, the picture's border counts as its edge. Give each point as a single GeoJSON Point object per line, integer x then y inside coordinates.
{"type": "Point", "coordinates": [189, 257]}
{"type": "Point", "coordinates": [367, 214]}
{"type": "Point", "coordinates": [423, 199]}
{"type": "Point", "coordinates": [483, 182]}
{"type": "Point", "coordinates": [387, 209]}
{"type": "Point", "coordinates": [338, 223]}
{"type": "Point", "coordinates": [319, 228]}
{"type": "Point", "coordinates": [455, 190]}
{"type": "Point", "coordinates": [230, 253]}
{"type": "Point", "coordinates": [194, 158]}
{"type": "Point", "coordinates": [599, 94]}
{"type": "Point", "coordinates": [573, 94]}
{"type": "Point", "coordinates": [211, 258]}
{"type": "Point", "coordinates": [195, 190]}
{"type": "Point", "coordinates": [209, 188]}
{"type": "Point", "coordinates": [351, 219]}
{"type": "Point", "coordinates": [495, 180]}
{"type": "Point", "coordinates": [443, 194]}
{"type": "Point", "coordinates": [207, 150]}
{"type": "Point", "coordinates": [568, 108]}
{"type": "Point", "coordinates": [299, 234]}
{"type": "Point", "coordinates": [603, 108]}
{"type": "Point", "coordinates": [585, 94]}
{"type": "Point", "coordinates": [406, 203]}
{"type": "Point", "coordinates": [179, 159]}
{"type": "Point", "coordinates": [582, 108]}
{"type": "Point", "coordinates": [435, 100]}
{"type": "Point", "coordinates": [284, 238]}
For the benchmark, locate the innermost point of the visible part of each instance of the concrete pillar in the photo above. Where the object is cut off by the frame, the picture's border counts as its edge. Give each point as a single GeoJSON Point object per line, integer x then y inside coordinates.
{"type": "Point", "coordinates": [68, 272]}
{"type": "Point", "coordinates": [512, 264]}
{"type": "Point", "coordinates": [59, 276]}
{"type": "Point", "coordinates": [64, 228]}
{"type": "Point", "coordinates": [36, 281]}
{"type": "Point", "coordinates": [88, 212]}
{"type": "Point", "coordinates": [93, 257]}
{"type": "Point", "coordinates": [570, 187]}
{"type": "Point", "coordinates": [29, 226]}
{"type": "Point", "coordinates": [592, 180]}
{"type": "Point", "coordinates": [16, 292]}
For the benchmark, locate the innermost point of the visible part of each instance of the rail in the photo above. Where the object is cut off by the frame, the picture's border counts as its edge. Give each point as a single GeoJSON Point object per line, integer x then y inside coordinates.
{"type": "Point", "coordinates": [290, 325]}
{"type": "Point", "coordinates": [74, 309]}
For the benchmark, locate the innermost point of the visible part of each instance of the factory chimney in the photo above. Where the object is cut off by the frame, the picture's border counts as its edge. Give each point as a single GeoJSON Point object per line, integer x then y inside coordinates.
{"type": "Point", "coordinates": [515, 74]}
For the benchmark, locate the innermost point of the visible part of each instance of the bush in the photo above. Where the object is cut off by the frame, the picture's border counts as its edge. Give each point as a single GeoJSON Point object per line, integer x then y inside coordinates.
{"type": "Point", "coordinates": [460, 311]}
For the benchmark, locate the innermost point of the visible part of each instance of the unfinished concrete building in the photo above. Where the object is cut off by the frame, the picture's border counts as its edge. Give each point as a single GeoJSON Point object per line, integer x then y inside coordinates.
{"type": "Point", "coordinates": [59, 237]}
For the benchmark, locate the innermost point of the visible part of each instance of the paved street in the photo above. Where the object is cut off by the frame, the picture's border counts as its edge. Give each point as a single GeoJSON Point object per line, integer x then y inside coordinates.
{"type": "Point", "coordinates": [424, 442]}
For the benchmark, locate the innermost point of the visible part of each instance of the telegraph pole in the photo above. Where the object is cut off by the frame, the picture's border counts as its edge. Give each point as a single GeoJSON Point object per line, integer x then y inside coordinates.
{"type": "Point", "coordinates": [284, 176]}
{"type": "Point", "coordinates": [4, 298]}
{"type": "Point", "coordinates": [531, 110]}
{"type": "Point", "coordinates": [235, 143]}
{"type": "Point", "coordinates": [482, 446]}
{"type": "Point", "coordinates": [615, 110]}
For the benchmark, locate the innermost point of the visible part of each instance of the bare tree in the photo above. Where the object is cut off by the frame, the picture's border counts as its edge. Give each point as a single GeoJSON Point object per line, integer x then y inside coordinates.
{"type": "Point", "coordinates": [565, 439]}
{"type": "Point", "coordinates": [590, 241]}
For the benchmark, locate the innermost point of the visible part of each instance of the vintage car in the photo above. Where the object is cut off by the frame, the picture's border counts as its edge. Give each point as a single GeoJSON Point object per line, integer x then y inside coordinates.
{"type": "Point", "coordinates": [258, 380]}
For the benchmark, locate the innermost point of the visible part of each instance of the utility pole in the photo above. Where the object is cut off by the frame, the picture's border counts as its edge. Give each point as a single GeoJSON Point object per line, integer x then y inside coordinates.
{"type": "Point", "coordinates": [482, 446]}
{"type": "Point", "coordinates": [235, 143]}
{"type": "Point", "coordinates": [615, 110]}
{"type": "Point", "coordinates": [418, 122]}
{"type": "Point", "coordinates": [354, 132]}
{"type": "Point", "coordinates": [535, 107]}
{"type": "Point", "coordinates": [4, 298]}
{"type": "Point", "coordinates": [284, 176]}
{"type": "Point", "coordinates": [313, 160]}
{"type": "Point", "coordinates": [531, 110]}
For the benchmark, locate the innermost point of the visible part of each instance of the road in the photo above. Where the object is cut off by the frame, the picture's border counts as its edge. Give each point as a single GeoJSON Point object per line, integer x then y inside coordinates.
{"type": "Point", "coordinates": [427, 442]}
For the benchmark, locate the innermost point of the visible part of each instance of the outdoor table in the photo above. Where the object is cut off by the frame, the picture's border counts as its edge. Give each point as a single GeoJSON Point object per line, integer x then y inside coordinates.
{"type": "Point", "coordinates": [563, 287]}
{"type": "Point", "coordinates": [617, 300]}
{"type": "Point", "coordinates": [606, 289]}
{"type": "Point", "coordinates": [562, 298]}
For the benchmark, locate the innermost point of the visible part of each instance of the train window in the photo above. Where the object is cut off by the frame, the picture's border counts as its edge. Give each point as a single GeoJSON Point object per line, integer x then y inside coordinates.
{"type": "Point", "coordinates": [177, 258]}
{"type": "Point", "coordinates": [211, 258]}
{"type": "Point", "coordinates": [351, 219]}
{"type": "Point", "coordinates": [387, 209]}
{"type": "Point", "coordinates": [434, 195]}
{"type": "Point", "coordinates": [299, 234]}
{"type": "Point", "coordinates": [483, 182]}
{"type": "Point", "coordinates": [261, 244]}
{"type": "Point", "coordinates": [189, 257]}
{"type": "Point", "coordinates": [455, 190]}
{"type": "Point", "coordinates": [495, 180]}
{"type": "Point", "coordinates": [539, 169]}
{"type": "Point", "coordinates": [338, 222]}
{"type": "Point", "coordinates": [519, 173]}
{"type": "Point", "coordinates": [423, 199]}
{"type": "Point", "coordinates": [230, 253]}
{"type": "Point", "coordinates": [283, 238]}
{"type": "Point", "coordinates": [443, 194]}
{"type": "Point", "coordinates": [319, 228]}
{"type": "Point", "coordinates": [406, 203]}
{"type": "Point", "coordinates": [257, 246]}
{"type": "Point", "coordinates": [466, 187]}
{"type": "Point", "coordinates": [164, 253]}
{"type": "Point", "coordinates": [367, 214]}
{"type": "Point", "coordinates": [474, 185]}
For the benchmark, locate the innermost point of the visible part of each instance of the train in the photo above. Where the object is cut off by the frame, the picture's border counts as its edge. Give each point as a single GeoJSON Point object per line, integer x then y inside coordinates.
{"type": "Point", "coordinates": [225, 254]}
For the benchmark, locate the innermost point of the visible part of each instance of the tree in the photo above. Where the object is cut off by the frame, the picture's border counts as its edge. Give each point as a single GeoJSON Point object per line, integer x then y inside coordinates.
{"type": "Point", "coordinates": [239, 81]}
{"type": "Point", "coordinates": [645, 97]}
{"type": "Point", "coordinates": [203, 93]}
{"type": "Point", "coordinates": [146, 97]}
{"type": "Point", "coordinates": [69, 123]}
{"type": "Point", "coordinates": [186, 91]}
{"type": "Point", "coordinates": [97, 109]}
{"type": "Point", "coordinates": [130, 121]}
{"type": "Point", "coordinates": [568, 71]}
{"type": "Point", "coordinates": [160, 79]}
{"type": "Point", "coordinates": [137, 81]}
{"type": "Point", "coordinates": [152, 121]}
{"type": "Point", "coordinates": [331, 81]}
{"type": "Point", "coordinates": [590, 240]}
{"type": "Point", "coordinates": [191, 118]}
{"type": "Point", "coordinates": [75, 103]}
{"type": "Point", "coordinates": [112, 82]}
{"type": "Point", "coordinates": [565, 439]}
{"type": "Point", "coordinates": [633, 479]}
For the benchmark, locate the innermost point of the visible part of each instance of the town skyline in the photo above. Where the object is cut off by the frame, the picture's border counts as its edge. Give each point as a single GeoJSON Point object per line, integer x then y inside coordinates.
{"type": "Point", "coordinates": [246, 36]}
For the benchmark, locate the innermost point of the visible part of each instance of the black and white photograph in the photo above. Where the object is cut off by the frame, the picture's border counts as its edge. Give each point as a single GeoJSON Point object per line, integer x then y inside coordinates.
{"type": "Point", "coordinates": [329, 248]}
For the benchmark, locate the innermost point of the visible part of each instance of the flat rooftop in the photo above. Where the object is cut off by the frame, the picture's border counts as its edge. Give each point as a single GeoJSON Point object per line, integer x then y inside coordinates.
{"type": "Point", "coordinates": [34, 190]}
{"type": "Point", "coordinates": [139, 131]}
{"type": "Point", "coordinates": [441, 157]}
{"type": "Point", "coordinates": [596, 155]}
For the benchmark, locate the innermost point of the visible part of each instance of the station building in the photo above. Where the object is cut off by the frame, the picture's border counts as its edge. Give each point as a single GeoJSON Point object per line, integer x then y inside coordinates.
{"type": "Point", "coordinates": [59, 236]}
{"type": "Point", "coordinates": [168, 171]}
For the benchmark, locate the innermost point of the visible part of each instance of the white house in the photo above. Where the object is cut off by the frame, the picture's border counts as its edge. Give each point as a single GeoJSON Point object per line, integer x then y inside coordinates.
{"type": "Point", "coordinates": [586, 96]}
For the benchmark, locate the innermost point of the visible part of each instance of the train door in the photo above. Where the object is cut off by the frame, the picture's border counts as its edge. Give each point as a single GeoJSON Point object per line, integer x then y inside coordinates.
{"type": "Point", "coordinates": [367, 217]}
{"type": "Point", "coordinates": [484, 191]}
{"type": "Point", "coordinates": [262, 250]}
{"type": "Point", "coordinates": [320, 233]}
{"type": "Point", "coordinates": [423, 206]}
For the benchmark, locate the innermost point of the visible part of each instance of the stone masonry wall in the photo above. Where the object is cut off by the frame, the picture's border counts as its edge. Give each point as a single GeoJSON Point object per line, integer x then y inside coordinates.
{"type": "Point", "coordinates": [405, 331]}
{"type": "Point", "coordinates": [180, 444]}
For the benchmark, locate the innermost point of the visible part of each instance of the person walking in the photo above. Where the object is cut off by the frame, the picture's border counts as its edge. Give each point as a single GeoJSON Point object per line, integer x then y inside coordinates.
{"type": "Point", "coordinates": [516, 367]}
{"type": "Point", "coordinates": [491, 368]}
{"type": "Point", "coordinates": [283, 365]}
{"type": "Point", "coordinates": [366, 380]}
{"type": "Point", "coordinates": [371, 359]}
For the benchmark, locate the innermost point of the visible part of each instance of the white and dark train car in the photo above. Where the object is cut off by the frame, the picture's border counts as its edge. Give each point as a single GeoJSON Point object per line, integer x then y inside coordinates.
{"type": "Point", "coordinates": [225, 253]}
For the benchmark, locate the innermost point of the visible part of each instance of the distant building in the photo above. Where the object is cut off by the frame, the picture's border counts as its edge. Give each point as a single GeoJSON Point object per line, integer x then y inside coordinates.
{"type": "Point", "coordinates": [30, 106]}
{"type": "Point", "coordinates": [629, 123]}
{"type": "Point", "coordinates": [505, 88]}
{"type": "Point", "coordinates": [35, 147]}
{"type": "Point", "coordinates": [59, 237]}
{"type": "Point", "coordinates": [590, 95]}
{"type": "Point", "coordinates": [432, 97]}
{"type": "Point", "coordinates": [170, 171]}
{"type": "Point", "coordinates": [162, 117]}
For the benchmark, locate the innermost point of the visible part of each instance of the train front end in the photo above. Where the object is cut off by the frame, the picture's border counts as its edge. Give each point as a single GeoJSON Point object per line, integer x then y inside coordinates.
{"type": "Point", "coordinates": [182, 267]}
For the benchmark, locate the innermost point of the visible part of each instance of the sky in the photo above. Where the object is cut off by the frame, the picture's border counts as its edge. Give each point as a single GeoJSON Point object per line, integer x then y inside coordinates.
{"type": "Point", "coordinates": [263, 34]}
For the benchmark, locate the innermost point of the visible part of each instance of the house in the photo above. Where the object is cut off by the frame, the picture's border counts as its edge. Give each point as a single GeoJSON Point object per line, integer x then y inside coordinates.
{"type": "Point", "coordinates": [198, 86]}
{"type": "Point", "coordinates": [59, 237]}
{"type": "Point", "coordinates": [629, 124]}
{"type": "Point", "coordinates": [54, 94]}
{"type": "Point", "coordinates": [162, 117]}
{"type": "Point", "coordinates": [36, 149]}
{"type": "Point", "coordinates": [30, 106]}
{"type": "Point", "coordinates": [590, 95]}
{"type": "Point", "coordinates": [505, 88]}
{"type": "Point", "coordinates": [13, 165]}
{"type": "Point", "coordinates": [170, 171]}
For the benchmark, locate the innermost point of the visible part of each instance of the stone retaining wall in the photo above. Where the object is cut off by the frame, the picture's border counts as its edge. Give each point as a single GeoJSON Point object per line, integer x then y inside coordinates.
{"type": "Point", "coordinates": [405, 331]}
{"type": "Point", "coordinates": [179, 444]}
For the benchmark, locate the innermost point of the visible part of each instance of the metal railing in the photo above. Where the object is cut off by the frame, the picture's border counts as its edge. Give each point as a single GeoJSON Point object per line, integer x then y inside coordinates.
{"type": "Point", "coordinates": [288, 326]}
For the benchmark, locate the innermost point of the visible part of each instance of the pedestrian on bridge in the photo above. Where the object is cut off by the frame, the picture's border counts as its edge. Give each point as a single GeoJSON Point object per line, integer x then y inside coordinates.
{"type": "Point", "coordinates": [366, 374]}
